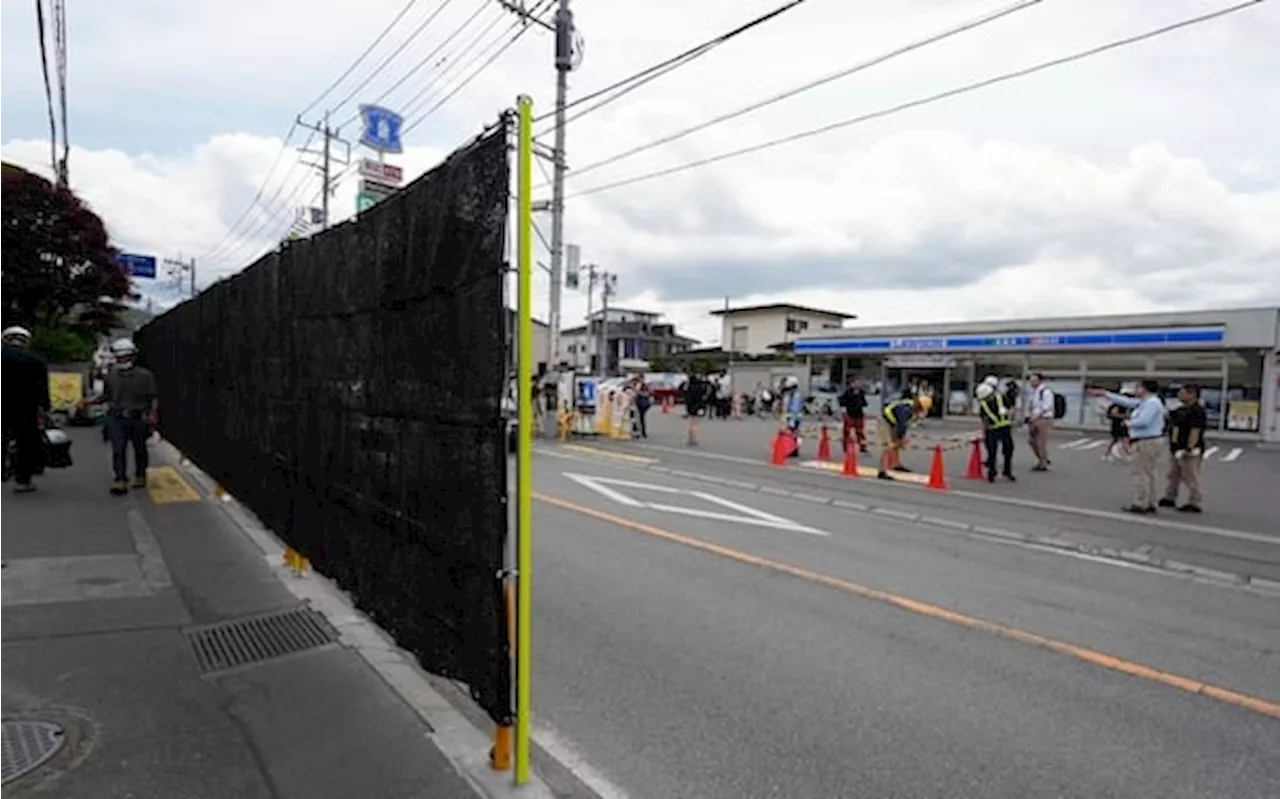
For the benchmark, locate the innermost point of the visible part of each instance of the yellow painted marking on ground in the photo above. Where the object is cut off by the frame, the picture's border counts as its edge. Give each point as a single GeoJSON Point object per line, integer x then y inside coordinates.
{"type": "Point", "coordinates": [166, 486]}
{"type": "Point", "coordinates": [867, 471]}
{"type": "Point", "coordinates": [622, 456]}
{"type": "Point", "coordinates": [1256, 704]}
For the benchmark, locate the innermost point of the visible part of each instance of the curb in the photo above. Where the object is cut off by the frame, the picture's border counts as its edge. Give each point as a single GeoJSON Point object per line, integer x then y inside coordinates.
{"type": "Point", "coordinates": [462, 743]}
{"type": "Point", "coordinates": [1138, 557]}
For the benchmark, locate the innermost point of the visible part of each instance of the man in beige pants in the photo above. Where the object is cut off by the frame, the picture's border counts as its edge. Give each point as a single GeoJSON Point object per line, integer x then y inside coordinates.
{"type": "Point", "coordinates": [1039, 420]}
{"type": "Point", "coordinates": [1146, 432]}
{"type": "Point", "coordinates": [1187, 424]}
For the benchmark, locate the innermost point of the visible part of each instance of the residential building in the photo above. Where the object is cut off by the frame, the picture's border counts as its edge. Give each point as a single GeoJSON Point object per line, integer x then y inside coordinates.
{"type": "Point", "coordinates": [760, 329]}
{"type": "Point", "coordinates": [541, 340]}
{"type": "Point", "coordinates": [635, 338]}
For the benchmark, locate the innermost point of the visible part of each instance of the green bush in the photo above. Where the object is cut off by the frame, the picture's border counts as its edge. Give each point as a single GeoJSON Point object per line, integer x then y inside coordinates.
{"type": "Point", "coordinates": [63, 344]}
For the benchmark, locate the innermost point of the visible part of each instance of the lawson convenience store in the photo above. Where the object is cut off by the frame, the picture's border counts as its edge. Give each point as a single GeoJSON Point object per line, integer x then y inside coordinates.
{"type": "Point", "coordinates": [1233, 355]}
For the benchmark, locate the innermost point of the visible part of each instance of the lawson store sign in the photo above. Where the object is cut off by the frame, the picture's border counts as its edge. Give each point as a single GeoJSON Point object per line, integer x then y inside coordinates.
{"type": "Point", "coordinates": [1149, 338]}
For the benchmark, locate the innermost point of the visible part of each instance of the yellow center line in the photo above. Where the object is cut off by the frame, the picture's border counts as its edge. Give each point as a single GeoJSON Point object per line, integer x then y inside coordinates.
{"type": "Point", "coordinates": [1093, 656]}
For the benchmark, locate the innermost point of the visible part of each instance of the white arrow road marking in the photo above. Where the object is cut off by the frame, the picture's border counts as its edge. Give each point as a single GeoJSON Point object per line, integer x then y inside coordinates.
{"type": "Point", "coordinates": [1208, 453]}
{"type": "Point", "coordinates": [1232, 455]}
{"type": "Point", "coordinates": [1073, 444]}
{"type": "Point", "coordinates": [1093, 444]}
{"type": "Point", "coordinates": [745, 515]}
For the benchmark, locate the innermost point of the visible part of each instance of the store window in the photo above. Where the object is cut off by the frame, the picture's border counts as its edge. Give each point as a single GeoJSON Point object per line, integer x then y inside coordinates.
{"type": "Point", "coordinates": [1243, 411]}
{"type": "Point", "coordinates": [1116, 364]}
{"type": "Point", "coordinates": [1174, 363]}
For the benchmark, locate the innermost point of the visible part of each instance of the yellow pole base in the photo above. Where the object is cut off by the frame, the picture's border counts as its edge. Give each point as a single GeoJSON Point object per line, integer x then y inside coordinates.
{"type": "Point", "coordinates": [500, 755]}
{"type": "Point", "coordinates": [295, 561]}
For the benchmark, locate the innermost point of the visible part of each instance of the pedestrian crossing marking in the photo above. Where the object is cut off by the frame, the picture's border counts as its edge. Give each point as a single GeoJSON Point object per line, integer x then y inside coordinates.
{"type": "Point", "coordinates": [166, 486]}
{"type": "Point", "coordinates": [1227, 456]}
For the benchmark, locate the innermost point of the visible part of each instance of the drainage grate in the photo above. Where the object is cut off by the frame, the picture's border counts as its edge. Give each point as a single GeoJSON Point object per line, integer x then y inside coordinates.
{"type": "Point", "coordinates": [239, 642]}
{"type": "Point", "coordinates": [28, 745]}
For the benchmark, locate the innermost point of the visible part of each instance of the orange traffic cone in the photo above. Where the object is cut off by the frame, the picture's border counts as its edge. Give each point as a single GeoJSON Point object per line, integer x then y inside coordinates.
{"type": "Point", "coordinates": [824, 445]}
{"type": "Point", "coordinates": [850, 462]}
{"type": "Point", "coordinates": [937, 471]}
{"type": "Point", "coordinates": [781, 447]}
{"type": "Point", "coordinates": [974, 472]}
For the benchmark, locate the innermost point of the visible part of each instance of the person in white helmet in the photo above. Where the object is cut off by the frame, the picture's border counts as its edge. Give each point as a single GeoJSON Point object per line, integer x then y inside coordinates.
{"type": "Point", "coordinates": [997, 429]}
{"type": "Point", "coordinates": [133, 402]}
{"type": "Point", "coordinates": [26, 405]}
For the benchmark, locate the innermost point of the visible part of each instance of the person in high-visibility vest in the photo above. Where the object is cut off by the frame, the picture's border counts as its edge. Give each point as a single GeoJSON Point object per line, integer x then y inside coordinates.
{"type": "Point", "coordinates": [997, 428]}
{"type": "Point", "coordinates": [891, 433]}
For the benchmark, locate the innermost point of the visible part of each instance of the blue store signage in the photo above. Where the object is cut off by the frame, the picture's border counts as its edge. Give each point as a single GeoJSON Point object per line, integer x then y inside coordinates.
{"type": "Point", "coordinates": [381, 129]}
{"type": "Point", "coordinates": [1157, 338]}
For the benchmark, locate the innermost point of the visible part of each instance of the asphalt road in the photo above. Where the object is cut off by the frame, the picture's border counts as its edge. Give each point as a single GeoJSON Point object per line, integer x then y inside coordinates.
{"type": "Point", "coordinates": [736, 643]}
{"type": "Point", "coordinates": [1239, 492]}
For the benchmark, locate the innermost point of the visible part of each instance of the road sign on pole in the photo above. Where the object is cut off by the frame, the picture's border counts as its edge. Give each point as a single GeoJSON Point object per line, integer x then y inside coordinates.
{"type": "Point", "coordinates": [136, 265]}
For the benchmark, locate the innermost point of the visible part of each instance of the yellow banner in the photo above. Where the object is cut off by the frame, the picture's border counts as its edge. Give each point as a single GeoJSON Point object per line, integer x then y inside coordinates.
{"type": "Point", "coordinates": [65, 389]}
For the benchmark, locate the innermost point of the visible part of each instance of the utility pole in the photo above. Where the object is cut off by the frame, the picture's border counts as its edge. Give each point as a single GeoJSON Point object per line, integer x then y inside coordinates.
{"type": "Point", "coordinates": [327, 161]}
{"type": "Point", "coordinates": [608, 287]}
{"type": "Point", "coordinates": [592, 276]}
{"type": "Point", "coordinates": [563, 30]}
{"type": "Point", "coordinates": [179, 267]}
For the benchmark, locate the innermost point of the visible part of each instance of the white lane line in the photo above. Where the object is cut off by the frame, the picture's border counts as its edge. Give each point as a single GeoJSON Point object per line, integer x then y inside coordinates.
{"type": "Point", "coordinates": [1094, 444]}
{"type": "Point", "coordinates": [1232, 455]}
{"type": "Point", "coordinates": [1074, 444]}
{"type": "Point", "coordinates": [616, 496]}
{"type": "Point", "coordinates": [1208, 453]}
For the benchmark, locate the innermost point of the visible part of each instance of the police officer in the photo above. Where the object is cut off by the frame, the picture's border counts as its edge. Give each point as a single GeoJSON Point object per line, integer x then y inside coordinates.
{"type": "Point", "coordinates": [997, 426]}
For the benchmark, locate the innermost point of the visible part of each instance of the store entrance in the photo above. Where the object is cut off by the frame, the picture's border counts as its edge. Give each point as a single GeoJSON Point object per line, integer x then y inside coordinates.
{"type": "Point", "coordinates": [930, 384]}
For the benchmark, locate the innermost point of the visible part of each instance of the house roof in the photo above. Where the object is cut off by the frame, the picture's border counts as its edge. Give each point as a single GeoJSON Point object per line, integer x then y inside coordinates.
{"type": "Point", "coordinates": [783, 306]}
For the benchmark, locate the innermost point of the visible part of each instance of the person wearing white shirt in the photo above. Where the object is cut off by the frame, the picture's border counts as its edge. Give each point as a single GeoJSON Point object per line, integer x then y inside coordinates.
{"type": "Point", "coordinates": [1039, 419]}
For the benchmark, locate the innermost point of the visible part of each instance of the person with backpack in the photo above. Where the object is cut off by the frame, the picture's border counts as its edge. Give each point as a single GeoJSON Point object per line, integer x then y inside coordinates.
{"type": "Point", "coordinates": [1043, 407]}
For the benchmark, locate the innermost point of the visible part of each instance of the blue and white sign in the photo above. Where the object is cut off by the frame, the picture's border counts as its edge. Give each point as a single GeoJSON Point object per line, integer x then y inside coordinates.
{"type": "Point", "coordinates": [1149, 338]}
{"type": "Point", "coordinates": [586, 392]}
{"type": "Point", "coordinates": [137, 265]}
{"type": "Point", "coordinates": [381, 129]}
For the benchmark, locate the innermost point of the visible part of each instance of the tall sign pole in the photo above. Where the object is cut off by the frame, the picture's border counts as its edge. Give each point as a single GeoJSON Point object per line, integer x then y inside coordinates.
{"type": "Point", "coordinates": [327, 162]}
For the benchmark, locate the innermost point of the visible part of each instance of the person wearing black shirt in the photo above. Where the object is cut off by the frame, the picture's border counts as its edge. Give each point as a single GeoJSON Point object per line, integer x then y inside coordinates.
{"type": "Point", "coordinates": [854, 402]}
{"type": "Point", "coordinates": [1118, 415]}
{"type": "Point", "coordinates": [26, 403]}
{"type": "Point", "coordinates": [695, 402]}
{"type": "Point", "coordinates": [1186, 428]}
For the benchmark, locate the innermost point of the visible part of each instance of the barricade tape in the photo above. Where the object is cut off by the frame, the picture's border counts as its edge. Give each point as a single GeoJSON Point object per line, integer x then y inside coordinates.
{"type": "Point", "coordinates": [948, 443]}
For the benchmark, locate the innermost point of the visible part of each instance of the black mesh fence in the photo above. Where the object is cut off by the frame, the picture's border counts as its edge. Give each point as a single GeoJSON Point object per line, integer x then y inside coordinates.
{"type": "Point", "coordinates": [348, 390]}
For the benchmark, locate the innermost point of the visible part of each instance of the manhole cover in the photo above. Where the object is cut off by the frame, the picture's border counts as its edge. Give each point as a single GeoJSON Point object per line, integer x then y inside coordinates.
{"type": "Point", "coordinates": [28, 744]}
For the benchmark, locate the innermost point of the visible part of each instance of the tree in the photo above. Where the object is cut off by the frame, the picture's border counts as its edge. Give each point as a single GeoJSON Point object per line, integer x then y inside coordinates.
{"type": "Point", "coordinates": [59, 268]}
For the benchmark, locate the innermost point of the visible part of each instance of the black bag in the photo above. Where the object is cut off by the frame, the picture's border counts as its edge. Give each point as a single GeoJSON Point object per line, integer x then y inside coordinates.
{"type": "Point", "coordinates": [1059, 405]}
{"type": "Point", "coordinates": [57, 449]}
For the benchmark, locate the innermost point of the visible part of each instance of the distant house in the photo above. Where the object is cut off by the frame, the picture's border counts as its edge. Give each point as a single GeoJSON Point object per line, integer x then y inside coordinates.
{"type": "Point", "coordinates": [541, 339]}
{"type": "Point", "coordinates": [762, 329]}
{"type": "Point", "coordinates": [635, 338]}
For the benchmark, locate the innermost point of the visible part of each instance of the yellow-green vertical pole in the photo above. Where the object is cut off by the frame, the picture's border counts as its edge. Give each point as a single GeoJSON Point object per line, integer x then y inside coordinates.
{"type": "Point", "coordinates": [524, 450]}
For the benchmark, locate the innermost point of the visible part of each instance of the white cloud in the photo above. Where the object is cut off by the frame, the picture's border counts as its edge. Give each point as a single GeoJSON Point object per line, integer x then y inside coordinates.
{"type": "Point", "coordinates": [1141, 179]}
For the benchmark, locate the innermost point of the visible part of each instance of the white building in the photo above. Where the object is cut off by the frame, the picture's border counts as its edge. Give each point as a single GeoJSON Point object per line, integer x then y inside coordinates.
{"type": "Point", "coordinates": [758, 329]}
{"type": "Point", "coordinates": [635, 339]}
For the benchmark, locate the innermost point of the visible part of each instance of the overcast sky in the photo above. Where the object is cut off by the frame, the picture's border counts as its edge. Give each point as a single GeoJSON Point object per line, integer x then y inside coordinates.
{"type": "Point", "coordinates": [1143, 178]}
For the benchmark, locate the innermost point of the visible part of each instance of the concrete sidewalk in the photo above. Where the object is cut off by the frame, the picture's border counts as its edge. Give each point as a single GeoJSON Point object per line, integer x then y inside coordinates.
{"type": "Point", "coordinates": [178, 663]}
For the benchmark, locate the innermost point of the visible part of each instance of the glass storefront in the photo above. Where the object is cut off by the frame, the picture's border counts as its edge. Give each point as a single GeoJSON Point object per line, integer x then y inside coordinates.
{"type": "Point", "coordinates": [1230, 381]}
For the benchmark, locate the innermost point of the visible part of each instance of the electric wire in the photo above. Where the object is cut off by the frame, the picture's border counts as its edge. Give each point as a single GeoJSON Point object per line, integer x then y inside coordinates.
{"type": "Point", "coordinates": [454, 64]}
{"type": "Point", "coordinates": [423, 61]}
{"type": "Point", "coordinates": [390, 57]}
{"type": "Point", "coordinates": [360, 58]}
{"type": "Point", "coordinates": [48, 85]}
{"type": "Point", "coordinates": [462, 85]}
{"type": "Point", "coordinates": [926, 100]}
{"type": "Point", "coordinates": [948, 33]}
{"type": "Point", "coordinates": [635, 81]}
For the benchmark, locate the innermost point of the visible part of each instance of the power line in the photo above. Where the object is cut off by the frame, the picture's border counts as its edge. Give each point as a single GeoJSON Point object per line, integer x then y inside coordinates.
{"type": "Point", "coordinates": [383, 65]}
{"type": "Point", "coordinates": [416, 101]}
{"type": "Point", "coordinates": [927, 100]}
{"type": "Point", "coordinates": [635, 81]}
{"type": "Point", "coordinates": [48, 86]}
{"type": "Point", "coordinates": [496, 55]}
{"type": "Point", "coordinates": [423, 61]}
{"type": "Point", "coordinates": [777, 98]}
{"type": "Point", "coordinates": [360, 59]}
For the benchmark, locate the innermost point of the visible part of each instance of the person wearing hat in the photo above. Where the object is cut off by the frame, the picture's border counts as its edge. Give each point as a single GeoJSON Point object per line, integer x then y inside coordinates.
{"type": "Point", "coordinates": [134, 401]}
{"type": "Point", "coordinates": [26, 404]}
{"type": "Point", "coordinates": [997, 428]}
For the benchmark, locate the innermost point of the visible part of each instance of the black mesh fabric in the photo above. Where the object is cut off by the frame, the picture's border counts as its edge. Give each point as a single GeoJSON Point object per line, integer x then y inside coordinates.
{"type": "Point", "coordinates": [347, 389]}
